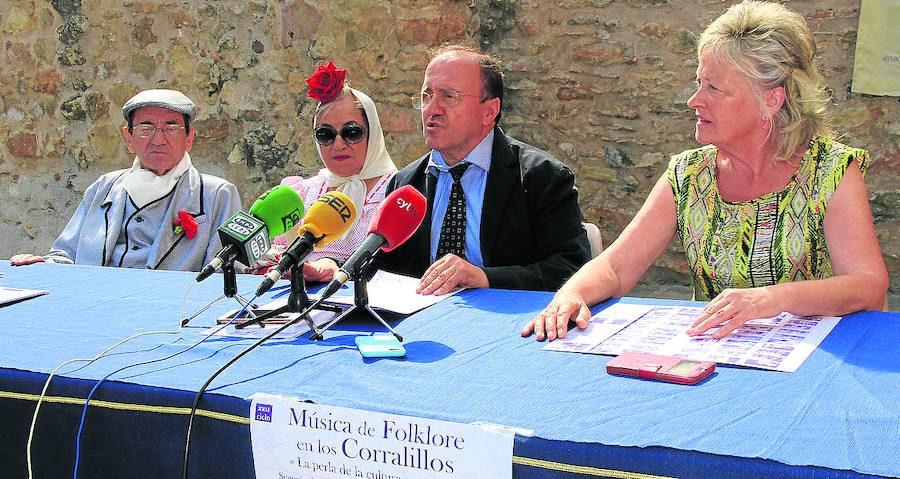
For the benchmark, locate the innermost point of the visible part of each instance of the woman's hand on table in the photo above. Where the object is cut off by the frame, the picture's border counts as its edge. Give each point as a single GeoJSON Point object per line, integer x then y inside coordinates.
{"type": "Point", "coordinates": [553, 321]}
{"type": "Point", "coordinates": [732, 308]}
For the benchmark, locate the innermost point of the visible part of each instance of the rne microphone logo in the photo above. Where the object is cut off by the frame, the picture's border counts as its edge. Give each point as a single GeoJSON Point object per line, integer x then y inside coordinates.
{"type": "Point", "coordinates": [264, 412]}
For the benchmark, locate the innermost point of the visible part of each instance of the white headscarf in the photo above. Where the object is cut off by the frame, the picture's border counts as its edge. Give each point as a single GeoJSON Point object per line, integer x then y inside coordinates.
{"type": "Point", "coordinates": [377, 163]}
{"type": "Point", "coordinates": [144, 186]}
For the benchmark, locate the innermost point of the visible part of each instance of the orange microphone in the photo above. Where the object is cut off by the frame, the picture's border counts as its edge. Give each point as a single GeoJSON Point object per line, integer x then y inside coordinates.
{"type": "Point", "coordinates": [327, 219]}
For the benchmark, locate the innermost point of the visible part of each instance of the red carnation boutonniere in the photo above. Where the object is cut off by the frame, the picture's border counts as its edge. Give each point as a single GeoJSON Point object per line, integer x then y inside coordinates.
{"type": "Point", "coordinates": [326, 83]}
{"type": "Point", "coordinates": [185, 223]}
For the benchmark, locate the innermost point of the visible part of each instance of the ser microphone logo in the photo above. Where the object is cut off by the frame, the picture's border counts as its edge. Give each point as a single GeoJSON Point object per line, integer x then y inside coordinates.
{"type": "Point", "coordinates": [337, 204]}
{"type": "Point", "coordinates": [264, 412]}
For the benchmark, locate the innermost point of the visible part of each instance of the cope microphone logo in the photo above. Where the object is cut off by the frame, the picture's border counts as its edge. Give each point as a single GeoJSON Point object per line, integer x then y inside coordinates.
{"type": "Point", "coordinates": [338, 205]}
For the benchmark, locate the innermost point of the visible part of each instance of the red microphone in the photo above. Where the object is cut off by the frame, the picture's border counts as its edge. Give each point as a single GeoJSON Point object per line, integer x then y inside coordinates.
{"type": "Point", "coordinates": [396, 219]}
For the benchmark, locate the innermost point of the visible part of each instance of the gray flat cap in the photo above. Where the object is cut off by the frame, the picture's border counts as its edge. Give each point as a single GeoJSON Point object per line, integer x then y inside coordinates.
{"type": "Point", "coordinates": [170, 99]}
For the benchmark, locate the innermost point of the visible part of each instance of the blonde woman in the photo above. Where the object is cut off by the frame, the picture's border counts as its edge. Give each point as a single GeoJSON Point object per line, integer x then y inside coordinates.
{"type": "Point", "coordinates": [773, 214]}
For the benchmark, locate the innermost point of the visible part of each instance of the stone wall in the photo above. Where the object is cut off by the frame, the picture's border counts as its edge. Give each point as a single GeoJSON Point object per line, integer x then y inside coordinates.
{"type": "Point", "coordinates": [600, 83]}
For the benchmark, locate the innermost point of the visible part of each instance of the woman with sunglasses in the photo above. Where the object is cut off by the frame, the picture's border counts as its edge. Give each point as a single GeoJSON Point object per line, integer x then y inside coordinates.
{"type": "Point", "coordinates": [350, 142]}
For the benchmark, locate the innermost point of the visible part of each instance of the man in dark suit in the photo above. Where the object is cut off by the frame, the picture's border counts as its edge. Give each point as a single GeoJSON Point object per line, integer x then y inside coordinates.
{"type": "Point", "coordinates": [501, 213]}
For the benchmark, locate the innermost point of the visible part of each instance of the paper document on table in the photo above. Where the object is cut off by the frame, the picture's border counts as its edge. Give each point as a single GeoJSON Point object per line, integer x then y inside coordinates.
{"type": "Point", "coordinates": [780, 343]}
{"type": "Point", "coordinates": [256, 332]}
{"type": "Point", "coordinates": [388, 292]}
{"type": "Point", "coordinates": [602, 326]}
{"type": "Point", "coordinates": [14, 295]}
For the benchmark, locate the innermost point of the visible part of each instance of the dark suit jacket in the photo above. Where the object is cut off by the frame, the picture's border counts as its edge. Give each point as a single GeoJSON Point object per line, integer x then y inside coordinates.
{"type": "Point", "coordinates": [531, 232]}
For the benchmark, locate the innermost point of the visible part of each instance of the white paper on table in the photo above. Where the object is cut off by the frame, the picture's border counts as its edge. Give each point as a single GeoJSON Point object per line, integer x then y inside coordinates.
{"type": "Point", "coordinates": [602, 326]}
{"type": "Point", "coordinates": [396, 293]}
{"type": "Point", "coordinates": [255, 332]}
{"type": "Point", "coordinates": [387, 291]}
{"type": "Point", "coordinates": [12, 295]}
{"type": "Point", "coordinates": [780, 343]}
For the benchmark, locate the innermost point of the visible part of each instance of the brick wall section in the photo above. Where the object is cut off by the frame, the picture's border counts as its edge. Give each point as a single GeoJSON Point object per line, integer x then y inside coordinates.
{"type": "Point", "coordinates": [600, 83]}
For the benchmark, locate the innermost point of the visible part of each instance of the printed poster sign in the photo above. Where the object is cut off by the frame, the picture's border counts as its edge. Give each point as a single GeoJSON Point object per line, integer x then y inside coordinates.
{"type": "Point", "coordinates": [876, 69]}
{"type": "Point", "coordinates": [292, 439]}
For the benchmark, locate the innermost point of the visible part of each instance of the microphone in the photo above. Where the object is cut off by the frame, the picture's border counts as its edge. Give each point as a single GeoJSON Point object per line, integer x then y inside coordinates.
{"type": "Point", "coordinates": [328, 218]}
{"type": "Point", "coordinates": [245, 237]}
{"type": "Point", "coordinates": [396, 219]}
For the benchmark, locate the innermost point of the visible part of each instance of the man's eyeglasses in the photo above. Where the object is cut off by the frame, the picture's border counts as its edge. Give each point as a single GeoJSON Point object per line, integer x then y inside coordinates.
{"type": "Point", "coordinates": [445, 98]}
{"type": "Point", "coordinates": [352, 133]}
{"type": "Point", "coordinates": [147, 131]}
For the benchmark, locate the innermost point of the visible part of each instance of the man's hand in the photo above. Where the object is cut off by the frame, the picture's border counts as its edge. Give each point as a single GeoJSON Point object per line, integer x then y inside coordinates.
{"type": "Point", "coordinates": [449, 272]}
{"type": "Point", "coordinates": [23, 259]}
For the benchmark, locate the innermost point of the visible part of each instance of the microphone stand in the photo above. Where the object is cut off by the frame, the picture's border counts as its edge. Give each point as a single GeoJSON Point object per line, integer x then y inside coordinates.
{"type": "Point", "coordinates": [229, 277]}
{"type": "Point", "coordinates": [297, 302]}
{"type": "Point", "coordinates": [230, 288]}
{"type": "Point", "coordinates": [360, 302]}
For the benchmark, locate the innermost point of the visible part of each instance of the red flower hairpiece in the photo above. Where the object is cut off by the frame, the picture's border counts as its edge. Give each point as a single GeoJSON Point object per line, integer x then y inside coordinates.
{"type": "Point", "coordinates": [326, 83]}
{"type": "Point", "coordinates": [185, 223]}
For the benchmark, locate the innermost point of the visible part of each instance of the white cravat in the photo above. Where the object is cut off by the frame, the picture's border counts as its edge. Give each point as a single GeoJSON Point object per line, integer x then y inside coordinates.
{"type": "Point", "coordinates": [144, 186]}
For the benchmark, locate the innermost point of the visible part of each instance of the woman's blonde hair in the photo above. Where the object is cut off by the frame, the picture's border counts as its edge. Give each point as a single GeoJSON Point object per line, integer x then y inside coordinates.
{"type": "Point", "coordinates": [774, 47]}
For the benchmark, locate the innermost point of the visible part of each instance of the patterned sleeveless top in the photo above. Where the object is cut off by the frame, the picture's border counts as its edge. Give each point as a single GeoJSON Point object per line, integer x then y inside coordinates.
{"type": "Point", "coordinates": [776, 238]}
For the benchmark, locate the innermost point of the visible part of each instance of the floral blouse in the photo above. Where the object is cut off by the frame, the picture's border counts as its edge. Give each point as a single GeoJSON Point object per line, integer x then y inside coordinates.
{"type": "Point", "coordinates": [776, 238]}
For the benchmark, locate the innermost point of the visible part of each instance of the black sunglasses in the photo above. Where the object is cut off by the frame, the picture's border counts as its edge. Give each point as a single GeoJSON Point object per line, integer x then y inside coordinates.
{"type": "Point", "coordinates": [352, 133]}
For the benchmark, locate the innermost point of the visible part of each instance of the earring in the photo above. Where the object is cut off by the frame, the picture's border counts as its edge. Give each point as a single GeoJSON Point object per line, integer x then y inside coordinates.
{"type": "Point", "coordinates": [765, 124]}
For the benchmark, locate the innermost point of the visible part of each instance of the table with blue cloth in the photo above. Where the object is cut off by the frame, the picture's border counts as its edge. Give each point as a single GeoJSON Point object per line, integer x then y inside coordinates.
{"type": "Point", "coordinates": [837, 416]}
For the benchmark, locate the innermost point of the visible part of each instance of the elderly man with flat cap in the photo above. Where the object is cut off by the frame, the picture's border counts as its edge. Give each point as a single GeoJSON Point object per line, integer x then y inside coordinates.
{"type": "Point", "coordinates": [159, 214]}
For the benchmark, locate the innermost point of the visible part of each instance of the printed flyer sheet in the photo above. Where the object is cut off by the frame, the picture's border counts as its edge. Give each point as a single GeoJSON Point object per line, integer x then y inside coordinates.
{"type": "Point", "coordinates": [300, 328]}
{"type": "Point", "coordinates": [603, 326]}
{"type": "Point", "coordinates": [14, 295]}
{"type": "Point", "coordinates": [781, 343]}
